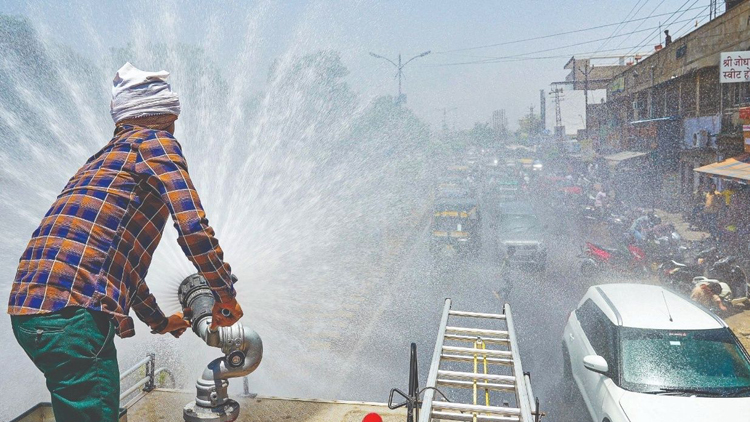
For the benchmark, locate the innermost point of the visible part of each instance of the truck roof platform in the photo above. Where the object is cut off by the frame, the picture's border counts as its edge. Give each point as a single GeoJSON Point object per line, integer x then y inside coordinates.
{"type": "Point", "coordinates": [165, 405]}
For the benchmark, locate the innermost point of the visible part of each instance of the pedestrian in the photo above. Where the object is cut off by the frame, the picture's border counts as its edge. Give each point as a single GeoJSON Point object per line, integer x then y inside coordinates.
{"type": "Point", "coordinates": [667, 38]}
{"type": "Point", "coordinates": [708, 295]}
{"type": "Point", "coordinates": [640, 228]}
{"type": "Point", "coordinates": [600, 201]}
{"type": "Point", "coordinates": [711, 211]}
{"type": "Point", "coordinates": [85, 265]}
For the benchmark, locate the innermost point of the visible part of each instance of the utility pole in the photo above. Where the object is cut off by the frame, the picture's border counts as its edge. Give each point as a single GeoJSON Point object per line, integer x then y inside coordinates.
{"type": "Point", "coordinates": [399, 70]}
{"type": "Point", "coordinates": [445, 111]}
{"type": "Point", "coordinates": [559, 129]}
{"type": "Point", "coordinates": [543, 109]}
{"type": "Point", "coordinates": [500, 124]}
{"type": "Point", "coordinates": [586, 82]}
{"type": "Point", "coordinates": [586, 93]}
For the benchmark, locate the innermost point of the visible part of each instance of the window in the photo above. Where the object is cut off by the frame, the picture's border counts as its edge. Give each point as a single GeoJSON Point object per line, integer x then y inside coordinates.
{"type": "Point", "coordinates": [600, 331]}
{"type": "Point", "coordinates": [709, 360]}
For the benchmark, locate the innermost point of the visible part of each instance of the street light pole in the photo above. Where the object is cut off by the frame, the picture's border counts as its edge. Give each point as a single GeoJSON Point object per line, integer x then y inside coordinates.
{"type": "Point", "coordinates": [399, 68]}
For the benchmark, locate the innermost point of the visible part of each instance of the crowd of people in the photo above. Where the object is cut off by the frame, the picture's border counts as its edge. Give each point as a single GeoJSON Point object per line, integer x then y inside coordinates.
{"type": "Point", "coordinates": [723, 213]}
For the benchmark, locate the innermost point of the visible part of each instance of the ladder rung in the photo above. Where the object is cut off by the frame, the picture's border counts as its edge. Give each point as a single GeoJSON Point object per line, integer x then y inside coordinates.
{"type": "Point", "coordinates": [472, 339]}
{"type": "Point", "coordinates": [468, 358]}
{"type": "Point", "coordinates": [476, 331]}
{"type": "Point", "coordinates": [493, 410]}
{"type": "Point", "coordinates": [451, 416]}
{"type": "Point", "coordinates": [474, 351]}
{"type": "Point", "coordinates": [482, 385]}
{"type": "Point", "coordinates": [475, 376]}
{"type": "Point", "coordinates": [476, 315]}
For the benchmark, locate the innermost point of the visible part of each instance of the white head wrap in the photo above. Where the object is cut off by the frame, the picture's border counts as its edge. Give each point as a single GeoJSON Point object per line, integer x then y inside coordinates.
{"type": "Point", "coordinates": [136, 93]}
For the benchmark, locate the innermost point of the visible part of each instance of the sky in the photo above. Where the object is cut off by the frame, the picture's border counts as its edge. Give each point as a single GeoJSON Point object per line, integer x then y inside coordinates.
{"type": "Point", "coordinates": [442, 80]}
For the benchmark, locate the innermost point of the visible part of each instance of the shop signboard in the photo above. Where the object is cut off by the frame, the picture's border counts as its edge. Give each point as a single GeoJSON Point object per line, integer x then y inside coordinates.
{"type": "Point", "coordinates": [734, 66]}
{"type": "Point", "coordinates": [745, 119]}
{"type": "Point", "coordinates": [618, 84]}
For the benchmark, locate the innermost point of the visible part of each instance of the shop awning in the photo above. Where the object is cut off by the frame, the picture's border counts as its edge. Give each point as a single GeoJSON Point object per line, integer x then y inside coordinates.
{"type": "Point", "coordinates": [624, 155]}
{"type": "Point", "coordinates": [737, 168]}
{"type": "Point", "coordinates": [656, 120]}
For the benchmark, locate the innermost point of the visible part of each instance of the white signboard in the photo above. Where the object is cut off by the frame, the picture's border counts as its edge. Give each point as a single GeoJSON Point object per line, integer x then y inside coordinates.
{"type": "Point", "coordinates": [734, 67]}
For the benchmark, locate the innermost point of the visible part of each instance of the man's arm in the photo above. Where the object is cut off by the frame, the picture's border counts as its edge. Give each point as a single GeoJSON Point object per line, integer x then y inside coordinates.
{"type": "Point", "coordinates": [145, 307]}
{"type": "Point", "coordinates": [160, 156]}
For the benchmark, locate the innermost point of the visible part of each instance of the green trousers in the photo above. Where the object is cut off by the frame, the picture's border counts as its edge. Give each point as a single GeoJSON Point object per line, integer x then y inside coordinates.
{"type": "Point", "coordinates": [75, 350]}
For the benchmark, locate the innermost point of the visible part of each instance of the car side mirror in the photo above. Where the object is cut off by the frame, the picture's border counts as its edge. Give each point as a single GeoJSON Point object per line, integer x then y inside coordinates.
{"type": "Point", "coordinates": [596, 364]}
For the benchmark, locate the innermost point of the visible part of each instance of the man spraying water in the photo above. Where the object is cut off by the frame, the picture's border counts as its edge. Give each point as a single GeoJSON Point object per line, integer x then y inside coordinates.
{"type": "Point", "coordinates": [85, 265]}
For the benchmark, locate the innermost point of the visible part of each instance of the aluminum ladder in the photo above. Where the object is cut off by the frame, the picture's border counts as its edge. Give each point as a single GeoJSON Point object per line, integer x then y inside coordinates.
{"type": "Point", "coordinates": [488, 349]}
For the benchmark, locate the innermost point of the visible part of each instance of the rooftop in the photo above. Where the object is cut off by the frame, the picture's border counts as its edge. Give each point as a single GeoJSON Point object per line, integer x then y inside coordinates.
{"type": "Point", "coordinates": [167, 405]}
{"type": "Point", "coordinates": [648, 306]}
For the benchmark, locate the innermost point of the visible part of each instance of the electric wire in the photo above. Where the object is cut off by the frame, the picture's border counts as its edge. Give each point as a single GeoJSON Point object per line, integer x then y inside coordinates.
{"type": "Point", "coordinates": [489, 58]}
{"type": "Point", "coordinates": [622, 24]}
{"type": "Point", "coordinates": [648, 40]}
{"type": "Point", "coordinates": [575, 31]}
{"type": "Point", "coordinates": [559, 56]}
{"type": "Point", "coordinates": [639, 25]}
{"type": "Point", "coordinates": [522, 55]}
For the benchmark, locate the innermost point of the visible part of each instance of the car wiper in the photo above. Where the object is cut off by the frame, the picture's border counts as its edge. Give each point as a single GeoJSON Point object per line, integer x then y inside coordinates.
{"type": "Point", "coordinates": [696, 391]}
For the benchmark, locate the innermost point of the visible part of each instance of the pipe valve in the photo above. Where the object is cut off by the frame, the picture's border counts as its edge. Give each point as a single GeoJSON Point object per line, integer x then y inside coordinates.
{"type": "Point", "coordinates": [242, 348]}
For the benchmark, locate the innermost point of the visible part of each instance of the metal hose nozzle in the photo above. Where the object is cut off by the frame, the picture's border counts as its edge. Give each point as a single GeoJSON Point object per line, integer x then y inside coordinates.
{"type": "Point", "coordinates": [242, 348]}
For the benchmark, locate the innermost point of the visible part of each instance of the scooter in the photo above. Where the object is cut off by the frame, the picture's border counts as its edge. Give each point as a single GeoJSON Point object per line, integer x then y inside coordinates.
{"type": "Point", "coordinates": [598, 258]}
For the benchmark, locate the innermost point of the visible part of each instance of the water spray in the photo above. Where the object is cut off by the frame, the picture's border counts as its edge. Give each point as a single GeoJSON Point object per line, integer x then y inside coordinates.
{"type": "Point", "coordinates": [242, 348]}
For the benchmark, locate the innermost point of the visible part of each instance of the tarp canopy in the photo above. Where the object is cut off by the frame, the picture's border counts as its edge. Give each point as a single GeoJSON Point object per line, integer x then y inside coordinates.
{"type": "Point", "coordinates": [737, 168]}
{"type": "Point", "coordinates": [624, 155]}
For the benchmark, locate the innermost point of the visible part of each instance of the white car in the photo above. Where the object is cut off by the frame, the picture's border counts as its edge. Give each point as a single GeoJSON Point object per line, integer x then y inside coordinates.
{"type": "Point", "coordinates": [641, 353]}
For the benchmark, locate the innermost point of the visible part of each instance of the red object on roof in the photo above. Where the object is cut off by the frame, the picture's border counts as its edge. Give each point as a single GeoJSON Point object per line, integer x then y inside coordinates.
{"type": "Point", "coordinates": [372, 417]}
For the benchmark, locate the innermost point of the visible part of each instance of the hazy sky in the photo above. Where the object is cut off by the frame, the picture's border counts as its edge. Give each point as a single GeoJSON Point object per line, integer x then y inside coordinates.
{"type": "Point", "coordinates": [355, 28]}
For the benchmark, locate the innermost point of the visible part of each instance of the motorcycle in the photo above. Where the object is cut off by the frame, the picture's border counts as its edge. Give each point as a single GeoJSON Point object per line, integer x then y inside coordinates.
{"type": "Point", "coordinates": [598, 258]}
{"type": "Point", "coordinates": [681, 276]}
{"type": "Point", "coordinates": [727, 270]}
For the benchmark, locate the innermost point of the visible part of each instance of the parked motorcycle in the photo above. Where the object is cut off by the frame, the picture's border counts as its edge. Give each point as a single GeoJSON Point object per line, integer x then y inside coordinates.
{"type": "Point", "coordinates": [681, 276]}
{"type": "Point", "coordinates": [598, 258]}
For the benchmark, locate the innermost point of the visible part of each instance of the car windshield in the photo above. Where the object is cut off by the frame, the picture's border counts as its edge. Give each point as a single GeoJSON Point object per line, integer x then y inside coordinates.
{"type": "Point", "coordinates": [704, 360]}
{"type": "Point", "coordinates": [518, 222]}
{"type": "Point", "coordinates": [451, 223]}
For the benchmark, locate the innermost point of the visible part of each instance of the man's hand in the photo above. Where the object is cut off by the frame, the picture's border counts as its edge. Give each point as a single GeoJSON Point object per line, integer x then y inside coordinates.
{"type": "Point", "coordinates": [225, 314]}
{"type": "Point", "coordinates": [176, 325]}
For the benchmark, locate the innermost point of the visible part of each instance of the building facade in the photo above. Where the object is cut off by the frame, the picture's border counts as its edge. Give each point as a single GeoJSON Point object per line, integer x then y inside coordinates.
{"type": "Point", "coordinates": [672, 105]}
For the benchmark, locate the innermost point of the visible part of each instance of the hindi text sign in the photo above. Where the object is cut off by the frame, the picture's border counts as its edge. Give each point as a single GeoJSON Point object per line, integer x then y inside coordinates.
{"type": "Point", "coordinates": [734, 67]}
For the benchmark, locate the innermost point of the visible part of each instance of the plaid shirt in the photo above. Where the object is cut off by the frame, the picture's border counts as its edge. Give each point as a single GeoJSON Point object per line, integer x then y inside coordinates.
{"type": "Point", "coordinates": [94, 246]}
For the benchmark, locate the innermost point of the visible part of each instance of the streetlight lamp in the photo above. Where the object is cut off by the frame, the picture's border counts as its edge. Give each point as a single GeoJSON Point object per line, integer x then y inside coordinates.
{"type": "Point", "coordinates": [400, 68]}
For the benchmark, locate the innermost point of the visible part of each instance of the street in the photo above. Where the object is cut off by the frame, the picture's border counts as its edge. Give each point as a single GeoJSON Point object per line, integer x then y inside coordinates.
{"type": "Point", "coordinates": [408, 306]}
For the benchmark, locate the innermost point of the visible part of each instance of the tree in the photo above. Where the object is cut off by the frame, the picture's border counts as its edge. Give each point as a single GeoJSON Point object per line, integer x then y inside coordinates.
{"type": "Point", "coordinates": [482, 135]}
{"type": "Point", "coordinates": [529, 126]}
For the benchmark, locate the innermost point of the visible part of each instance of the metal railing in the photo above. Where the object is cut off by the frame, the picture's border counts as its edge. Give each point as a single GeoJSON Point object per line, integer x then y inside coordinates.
{"type": "Point", "coordinates": [145, 384]}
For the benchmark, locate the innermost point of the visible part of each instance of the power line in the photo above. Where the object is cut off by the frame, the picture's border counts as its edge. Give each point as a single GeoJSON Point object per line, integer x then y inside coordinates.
{"type": "Point", "coordinates": [639, 25]}
{"type": "Point", "coordinates": [550, 35]}
{"type": "Point", "coordinates": [683, 26]}
{"type": "Point", "coordinates": [522, 58]}
{"type": "Point", "coordinates": [647, 40]}
{"type": "Point", "coordinates": [492, 59]}
{"type": "Point", "coordinates": [622, 24]}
